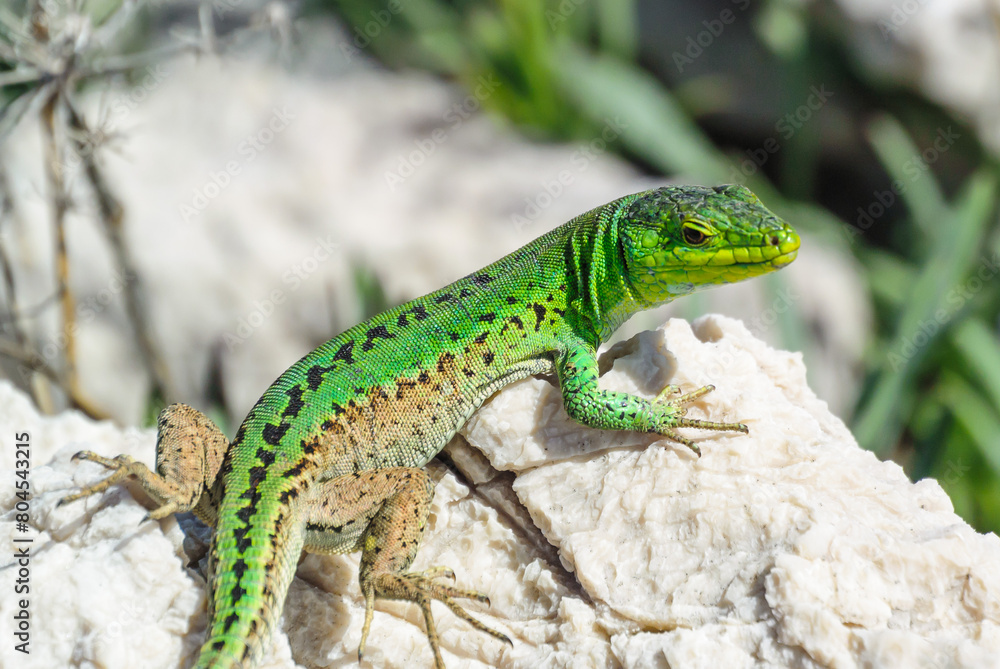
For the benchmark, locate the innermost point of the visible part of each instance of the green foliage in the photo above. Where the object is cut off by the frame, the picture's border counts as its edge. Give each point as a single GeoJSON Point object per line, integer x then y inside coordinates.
{"type": "Point", "coordinates": [370, 292]}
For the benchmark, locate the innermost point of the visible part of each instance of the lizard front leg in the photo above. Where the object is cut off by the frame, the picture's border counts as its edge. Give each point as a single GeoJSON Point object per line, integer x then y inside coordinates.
{"type": "Point", "coordinates": [383, 512]}
{"type": "Point", "coordinates": [584, 401]}
{"type": "Point", "coordinates": [189, 452]}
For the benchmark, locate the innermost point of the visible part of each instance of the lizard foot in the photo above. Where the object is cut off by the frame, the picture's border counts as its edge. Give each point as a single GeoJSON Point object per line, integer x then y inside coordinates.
{"type": "Point", "coordinates": [676, 417]}
{"type": "Point", "coordinates": [421, 588]}
{"type": "Point", "coordinates": [124, 466]}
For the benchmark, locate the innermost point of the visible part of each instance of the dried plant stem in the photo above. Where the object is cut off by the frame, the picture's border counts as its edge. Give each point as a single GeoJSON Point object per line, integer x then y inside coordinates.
{"type": "Point", "coordinates": [112, 215]}
{"type": "Point", "coordinates": [30, 359]}
{"type": "Point", "coordinates": [57, 193]}
{"type": "Point", "coordinates": [34, 362]}
{"type": "Point", "coordinates": [20, 76]}
{"type": "Point", "coordinates": [19, 349]}
{"type": "Point", "coordinates": [131, 62]}
{"type": "Point", "coordinates": [39, 21]}
{"type": "Point", "coordinates": [9, 286]}
{"type": "Point", "coordinates": [60, 203]}
{"type": "Point", "coordinates": [43, 53]}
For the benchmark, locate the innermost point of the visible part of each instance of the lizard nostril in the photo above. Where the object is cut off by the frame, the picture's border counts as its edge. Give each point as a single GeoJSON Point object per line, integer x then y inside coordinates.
{"type": "Point", "coordinates": [774, 240]}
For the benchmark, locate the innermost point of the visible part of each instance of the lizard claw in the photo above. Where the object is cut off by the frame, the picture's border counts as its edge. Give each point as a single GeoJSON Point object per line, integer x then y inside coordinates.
{"type": "Point", "coordinates": [678, 412]}
{"type": "Point", "coordinates": [686, 398]}
{"type": "Point", "coordinates": [420, 588]}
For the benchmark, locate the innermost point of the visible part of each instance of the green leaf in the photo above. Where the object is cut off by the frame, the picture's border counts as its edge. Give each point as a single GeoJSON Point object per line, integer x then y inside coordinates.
{"type": "Point", "coordinates": [616, 23]}
{"type": "Point", "coordinates": [979, 346]}
{"type": "Point", "coordinates": [928, 312]}
{"type": "Point", "coordinates": [976, 416]}
{"type": "Point", "coordinates": [641, 112]}
{"type": "Point", "coordinates": [899, 154]}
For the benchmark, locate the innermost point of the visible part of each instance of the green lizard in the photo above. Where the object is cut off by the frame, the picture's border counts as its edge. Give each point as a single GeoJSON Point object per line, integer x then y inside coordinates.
{"type": "Point", "coordinates": [329, 458]}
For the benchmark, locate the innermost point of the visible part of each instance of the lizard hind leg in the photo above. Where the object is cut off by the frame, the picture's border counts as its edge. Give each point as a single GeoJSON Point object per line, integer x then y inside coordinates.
{"type": "Point", "coordinates": [383, 512]}
{"type": "Point", "coordinates": [189, 452]}
{"type": "Point", "coordinates": [389, 546]}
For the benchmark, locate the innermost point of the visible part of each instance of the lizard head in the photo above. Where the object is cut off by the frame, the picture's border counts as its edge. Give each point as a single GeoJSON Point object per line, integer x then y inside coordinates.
{"type": "Point", "coordinates": [676, 240]}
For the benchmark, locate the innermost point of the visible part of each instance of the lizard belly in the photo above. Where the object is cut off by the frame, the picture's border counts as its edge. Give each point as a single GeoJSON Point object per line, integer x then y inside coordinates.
{"type": "Point", "coordinates": [409, 422]}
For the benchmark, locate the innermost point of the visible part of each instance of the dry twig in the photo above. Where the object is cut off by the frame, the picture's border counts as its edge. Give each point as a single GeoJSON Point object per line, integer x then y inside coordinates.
{"type": "Point", "coordinates": [112, 214]}
{"type": "Point", "coordinates": [50, 54]}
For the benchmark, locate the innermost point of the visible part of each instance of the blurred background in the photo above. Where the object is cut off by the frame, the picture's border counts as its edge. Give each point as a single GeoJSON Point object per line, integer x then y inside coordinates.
{"type": "Point", "coordinates": [194, 194]}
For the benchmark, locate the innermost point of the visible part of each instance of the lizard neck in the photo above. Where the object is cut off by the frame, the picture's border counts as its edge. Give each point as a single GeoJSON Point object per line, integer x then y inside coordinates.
{"type": "Point", "coordinates": [603, 299]}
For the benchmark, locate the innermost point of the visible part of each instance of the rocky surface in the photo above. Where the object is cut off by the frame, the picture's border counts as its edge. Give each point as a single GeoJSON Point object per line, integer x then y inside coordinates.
{"type": "Point", "coordinates": [787, 547]}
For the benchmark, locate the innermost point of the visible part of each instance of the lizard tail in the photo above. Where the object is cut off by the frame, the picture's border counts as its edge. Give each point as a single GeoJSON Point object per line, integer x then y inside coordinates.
{"type": "Point", "coordinates": [253, 563]}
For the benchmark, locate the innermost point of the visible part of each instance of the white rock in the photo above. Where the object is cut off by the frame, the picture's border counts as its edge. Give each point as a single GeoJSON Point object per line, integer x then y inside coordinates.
{"type": "Point", "coordinates": [787, 547]}
{"type": "Point", "coordinates": [949, 49]}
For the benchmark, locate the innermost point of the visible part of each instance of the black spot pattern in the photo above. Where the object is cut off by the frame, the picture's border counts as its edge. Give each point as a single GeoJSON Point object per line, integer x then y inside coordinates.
{"type": "Point", "coordinates": [294, 471]}
{"type": "Point", "coordinates": [539, 315]}
{"type": "Point", "coordinates": [345, 353]}
{"type": "Point", "coordinates": [445, 297]}
{"type": "Point", "coordinates": [378, 332]}
{"type": "Point", "coordinates": [315, 375]}
{"type": "Point", "coordinates": [273, 433]}
{"type": "Point", "coordinates": [481, 279]}
{"type": "Point", "coordinates": [295, 403]}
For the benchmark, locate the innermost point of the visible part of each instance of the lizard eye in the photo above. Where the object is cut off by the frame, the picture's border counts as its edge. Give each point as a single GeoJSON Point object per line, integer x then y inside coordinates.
{"type": "Point", "coordinates": [694, 236]}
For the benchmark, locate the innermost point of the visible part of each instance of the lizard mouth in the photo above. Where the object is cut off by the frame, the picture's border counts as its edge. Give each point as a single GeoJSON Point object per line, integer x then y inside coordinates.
{"type": "Point", "coordinates": [788, 249]}
{"type": "Point", "coordinates": [784, 259]}
{"type": "Point", "coordinates": [779, 249]}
